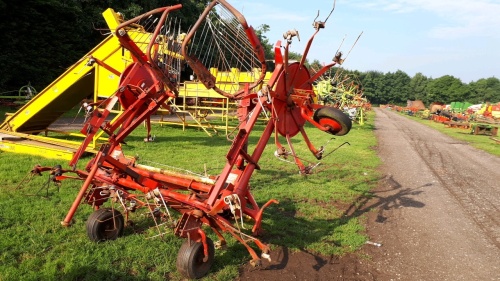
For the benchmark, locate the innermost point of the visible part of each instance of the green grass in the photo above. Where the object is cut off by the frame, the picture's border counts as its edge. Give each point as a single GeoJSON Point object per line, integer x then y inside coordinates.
{"type": "Point", "coordinates": [482, 142]}
{"type": "Point", "coordinates": [314, 213]}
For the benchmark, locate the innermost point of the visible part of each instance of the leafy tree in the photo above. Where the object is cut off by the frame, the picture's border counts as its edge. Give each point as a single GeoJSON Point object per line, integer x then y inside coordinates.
{"type": "Point", "coordinates": [268, 48]}
{"type": "Point", "coordinates": [485, 90]}
{"type": "Point", "coordinates": [417, 87]}
{"type": "Point", "coordinates": [41, 38]}
{"type": "Point", "coordinates": [447, 89]}
{"type": "Point", "coordinates": [372, 85]}
{"type": "Point", "coordinates": [396, 86]}
{"type": "Point", "coordinates": [314, 66]}
{"type": "Point", "coordinates": [294, 56]}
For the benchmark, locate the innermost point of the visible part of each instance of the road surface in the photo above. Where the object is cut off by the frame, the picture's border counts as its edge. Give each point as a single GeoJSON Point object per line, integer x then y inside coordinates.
{"type": "Point", "coordinates": [438, 216]}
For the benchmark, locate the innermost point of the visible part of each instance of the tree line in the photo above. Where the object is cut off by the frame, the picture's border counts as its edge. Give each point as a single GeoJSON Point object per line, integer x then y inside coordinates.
{"type": "Point", "coordinates": [41, 38]}
{"type": "Point", "coordinates": [398, 87]}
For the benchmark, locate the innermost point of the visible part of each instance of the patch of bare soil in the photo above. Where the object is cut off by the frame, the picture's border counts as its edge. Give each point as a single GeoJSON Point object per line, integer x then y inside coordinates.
{"type": "Point", "coordinates": [436, 213]}
{"type": "Point", "coordinates": [286, 265]}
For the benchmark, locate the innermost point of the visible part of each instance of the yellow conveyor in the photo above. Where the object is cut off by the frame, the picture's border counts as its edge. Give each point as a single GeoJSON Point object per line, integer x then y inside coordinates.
{"type": "Point", "coordinates": [95, 75]}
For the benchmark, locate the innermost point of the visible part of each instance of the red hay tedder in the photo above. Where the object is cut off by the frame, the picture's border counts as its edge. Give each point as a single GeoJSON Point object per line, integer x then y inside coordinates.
{"type": "Point", "coordinates": [220, 38]}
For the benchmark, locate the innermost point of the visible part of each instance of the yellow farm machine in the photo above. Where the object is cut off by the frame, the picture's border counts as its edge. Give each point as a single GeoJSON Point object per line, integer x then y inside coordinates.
{"type": "Point", "coordinates": [94, 79]}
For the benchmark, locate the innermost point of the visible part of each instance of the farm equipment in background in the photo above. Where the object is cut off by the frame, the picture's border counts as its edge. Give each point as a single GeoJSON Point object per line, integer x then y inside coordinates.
{"type": "Point", "coordinates": [479, 119]}
{"type": "Point", "coordinates": [345, 93]}
{"type": "Point", "coordinates": [414, 106]}
{"type": "Point", "coordinates": [197, 106]}
{"type": "Point", "coordinates": [24, 94]}
{"type": "Point", "coordinates": [486, 120]}
{"type": "Point", "coordinates": [220, 38]}
{"type": "Point", "coordinates": [459, 107]}
{"type": "Point", "coordinates": [489, 112]}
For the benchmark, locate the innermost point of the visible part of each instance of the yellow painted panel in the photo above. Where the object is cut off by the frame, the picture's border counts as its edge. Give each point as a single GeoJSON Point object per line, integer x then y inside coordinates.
{"type": "Point", "coordinates": [112, 18]}
{"type": "Point", "coordinates": [75, 84]}
{"type": "Point", "coordinates": [46, 152]}
{"type": "Point", "coordinates": [196, 89]}
{"type": "Point", "coordinates": [229, 87]}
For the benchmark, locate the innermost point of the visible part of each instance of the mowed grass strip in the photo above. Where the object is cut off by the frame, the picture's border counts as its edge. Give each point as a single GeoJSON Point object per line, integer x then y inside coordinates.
{"type": "Point", "coordinates": [314, 213]}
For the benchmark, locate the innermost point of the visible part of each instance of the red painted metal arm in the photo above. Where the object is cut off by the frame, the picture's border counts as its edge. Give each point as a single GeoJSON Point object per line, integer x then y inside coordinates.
{"type": "Point", "coordinates": [318, 74]}
{"type": "Point", "coordinates": [129, 44]}
{"type": "Point", "coordinates": [232, 156]}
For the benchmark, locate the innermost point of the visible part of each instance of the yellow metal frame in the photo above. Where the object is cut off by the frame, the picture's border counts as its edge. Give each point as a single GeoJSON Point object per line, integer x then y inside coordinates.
{"type": "Point", "coordinates": [83, 79]}
{"type": "Point", "coordinates": [97, 75]}
{"type": "Point", "coordinates": [16, 146]}
{"type": "Point", "coordinates": [202, 98]}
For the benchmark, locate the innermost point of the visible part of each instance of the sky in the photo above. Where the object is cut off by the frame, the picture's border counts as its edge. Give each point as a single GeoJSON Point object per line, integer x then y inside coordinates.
{"type": "Point", "coordinates": [433, 37]}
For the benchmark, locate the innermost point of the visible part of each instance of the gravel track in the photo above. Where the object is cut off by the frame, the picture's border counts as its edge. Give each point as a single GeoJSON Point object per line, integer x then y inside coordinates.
{"type": "Point", "coordinates": [441, 214]}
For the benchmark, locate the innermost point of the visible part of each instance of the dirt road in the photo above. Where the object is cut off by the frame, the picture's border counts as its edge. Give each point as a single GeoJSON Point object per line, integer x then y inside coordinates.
{"type": "Point", "coordinates": [439, 217]}
{"type": "Point", "coordinates": [436, 213]}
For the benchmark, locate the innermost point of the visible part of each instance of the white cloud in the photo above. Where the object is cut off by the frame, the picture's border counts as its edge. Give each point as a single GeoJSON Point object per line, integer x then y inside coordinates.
{"type": "Point", "coordinates": [461, 18]}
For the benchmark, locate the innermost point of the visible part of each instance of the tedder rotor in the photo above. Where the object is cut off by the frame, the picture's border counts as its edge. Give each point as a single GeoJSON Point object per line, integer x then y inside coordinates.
{"type": "Point", "coordinates": [220, 38]}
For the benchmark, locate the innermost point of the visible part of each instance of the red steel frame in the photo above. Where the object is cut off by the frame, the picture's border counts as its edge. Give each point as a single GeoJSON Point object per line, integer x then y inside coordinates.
{"type": "Point", "coordinates": [143, 88]}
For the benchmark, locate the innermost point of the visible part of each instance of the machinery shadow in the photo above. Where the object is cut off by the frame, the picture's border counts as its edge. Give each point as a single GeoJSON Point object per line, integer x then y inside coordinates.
{"type": "Point", "coordinates": [288, 229]}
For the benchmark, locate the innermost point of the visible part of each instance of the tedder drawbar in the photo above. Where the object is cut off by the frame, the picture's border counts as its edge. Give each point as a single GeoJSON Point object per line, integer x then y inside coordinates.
{"type": "Point", "coordinates": [220, 38]}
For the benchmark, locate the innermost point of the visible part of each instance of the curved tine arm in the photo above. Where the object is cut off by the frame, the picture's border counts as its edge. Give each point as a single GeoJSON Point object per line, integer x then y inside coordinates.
{"type": "Point", "coordinates": [130, 45]}
{"type": "Point", "coordinates": [152, 12]}
{"type": "Point", "coordinates": [201, 70]}
{"type": "Point", "coordinates": [195, 27]}
{"type": "Point", "coordinates": [158, 28]}
{"type": "Point", "coordinates": [203, 74]}
{"type": "Point", "coordinates": [334, 1]}
{"type": "Point", "coordinates": [306, 50]}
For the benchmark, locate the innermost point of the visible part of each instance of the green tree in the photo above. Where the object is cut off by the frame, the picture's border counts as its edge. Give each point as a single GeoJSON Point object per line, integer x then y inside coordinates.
{"type": "Point", "coordinates": [417, 87]}
{"type": "Point", "coordinates": [396, 87]}
{"type": "Point", "coordinates": [372, 86]}
{"type": "Point", "coordinates": [447, 89]}
{"type": "Point", "coordinates": [294, 56]}
{"type": "Point", "coordinates": [268, 48]}
{"type": "Point", "coordinates": [485, 90]}
{"type": "Point", "coordinates": [401, 89]}
{"type": "Point", "coordinates": [41, 38]}
{"type": "Point", "coordinates": [314, 66]}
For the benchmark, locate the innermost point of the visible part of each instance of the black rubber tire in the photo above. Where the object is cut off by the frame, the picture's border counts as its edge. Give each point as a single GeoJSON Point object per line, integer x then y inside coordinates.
{"type": "Point", "coordinates": [339, 117]}
{"type": "Point", "coordinates": [190, 259]}
{"type": "Point", "coordinates": [105, 224]}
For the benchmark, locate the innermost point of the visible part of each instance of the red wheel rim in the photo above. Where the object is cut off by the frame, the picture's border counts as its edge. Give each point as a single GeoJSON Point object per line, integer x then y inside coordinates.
{"type": "Point", "coordinates": [333, 125]}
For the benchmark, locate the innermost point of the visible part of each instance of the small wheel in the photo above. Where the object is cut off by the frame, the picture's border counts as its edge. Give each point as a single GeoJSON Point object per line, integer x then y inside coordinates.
{"type": "Point", "coordinates": [338, 122]}
{"type": "Point", "coordinates": [190, 259]}
{"type": "Point", "coordinates": [105, 224]}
